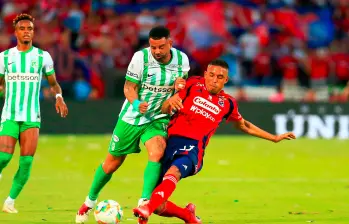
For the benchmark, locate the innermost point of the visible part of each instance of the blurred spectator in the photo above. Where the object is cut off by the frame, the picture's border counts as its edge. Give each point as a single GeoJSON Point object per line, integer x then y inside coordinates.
{"type": "Point", "coordinates": [274, 44]}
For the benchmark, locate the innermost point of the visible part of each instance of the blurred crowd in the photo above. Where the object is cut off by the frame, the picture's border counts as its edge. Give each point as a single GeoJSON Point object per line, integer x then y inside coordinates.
{"type": "Point", "coordinates": [272, 43]}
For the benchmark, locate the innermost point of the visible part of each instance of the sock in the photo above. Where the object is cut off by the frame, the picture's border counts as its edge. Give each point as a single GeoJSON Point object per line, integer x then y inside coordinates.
{"type": "Point", "coordinates": [162, 192]}
{"type": "Point", "coordinates": [5, 158]}
{"type": "Point", "coordinates": [22, 175]}
{"type": "Point", "coordinates": [151, 178]}
{"type": "Point", "coordinates": [9, 200]}
{"type": "Point", "coordinates": [172, 210]}
{"type": "Point", "coordinates": [99, 181]}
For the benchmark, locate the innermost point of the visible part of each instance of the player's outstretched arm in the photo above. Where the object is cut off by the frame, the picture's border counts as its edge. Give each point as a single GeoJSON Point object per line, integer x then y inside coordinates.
{"type": "Point", "coordinates": [131, 94]}
{"type": "Point", "coordinates": [61, 107]}
{"type": "Point", "coordinates": [252, 129]}
{"type": "Point", "coordinates": [173, 103]}
{"type": "Point", "coordinates": [2, 84]}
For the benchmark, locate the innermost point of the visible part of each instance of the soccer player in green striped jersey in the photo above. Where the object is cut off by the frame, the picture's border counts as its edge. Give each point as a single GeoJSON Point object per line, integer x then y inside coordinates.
{"type": "Point", "coordinates": [21, 70]}
{"type": "Point", "coordinates": [153, 76]}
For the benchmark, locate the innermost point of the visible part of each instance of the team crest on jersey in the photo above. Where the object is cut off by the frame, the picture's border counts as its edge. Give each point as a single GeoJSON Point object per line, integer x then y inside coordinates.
{"type": "Point", "coordinates": [34, 64]}
{"type": "Point", "coordinates": [221, 101]}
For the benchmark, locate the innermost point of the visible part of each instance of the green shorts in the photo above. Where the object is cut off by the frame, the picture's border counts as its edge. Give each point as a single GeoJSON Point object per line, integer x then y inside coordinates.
{"type": "Point", "coordinates": [126, 137]}
{"type": "Point", "coordinates": [14, 128]}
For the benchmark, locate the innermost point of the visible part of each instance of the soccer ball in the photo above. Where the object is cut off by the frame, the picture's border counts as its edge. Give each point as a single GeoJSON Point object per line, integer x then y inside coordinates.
{"type": "Point", "coordinates": [108, 212]}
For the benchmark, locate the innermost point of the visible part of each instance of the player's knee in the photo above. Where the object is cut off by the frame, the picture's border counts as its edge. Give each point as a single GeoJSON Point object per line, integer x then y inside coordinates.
{"type": "Point", "coordinates": [174, 171]}
{"type": "Point", "coordinates": [156, 148]}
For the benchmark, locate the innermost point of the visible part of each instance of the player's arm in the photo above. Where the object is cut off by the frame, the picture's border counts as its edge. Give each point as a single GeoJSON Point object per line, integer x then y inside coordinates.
{"type": "Point", "coordinates": [173, 103]}
{"type": "Point", "coordinates": [252, 129]}
{"type": "Point", "coordinates": [49, 72]}
{"type": "Point", "coordinates": [346, 91]}
{"type": "Point", "coordinates": [181, 81]}
{"type": "Point", "coordinates": [133, 81]}
{"type": "Point", "coordinates": [2, 73]}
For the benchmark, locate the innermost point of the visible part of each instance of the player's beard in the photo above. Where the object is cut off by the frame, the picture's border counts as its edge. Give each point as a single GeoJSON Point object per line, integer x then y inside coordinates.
{"type": "Point", "coordinates": [26, 42]}
{"type": "Point", "coordinates": [160, 59]}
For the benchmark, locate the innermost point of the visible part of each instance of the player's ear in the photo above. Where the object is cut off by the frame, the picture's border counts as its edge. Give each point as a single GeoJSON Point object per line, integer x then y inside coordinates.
{"type": "Point", "coordinates": [170, 42]}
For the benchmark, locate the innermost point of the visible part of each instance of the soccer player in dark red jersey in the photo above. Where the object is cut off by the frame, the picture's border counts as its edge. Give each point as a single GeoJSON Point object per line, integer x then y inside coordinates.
{"type": "Point", "coordinates": [201, 106]}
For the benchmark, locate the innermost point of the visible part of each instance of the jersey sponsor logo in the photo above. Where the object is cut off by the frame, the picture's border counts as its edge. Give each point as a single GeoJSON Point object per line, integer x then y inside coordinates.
{"type": "Point", "coordinates": [25, 77]}
{"type": "Point", "coordinates": [150, 75]}
{"type": "Point", "coordinates": [157, 89]}
{"type": "Point", "coordinates": [201, 102]}
{"type": "Point", "coordinates": [202, 112]}
{"type": "Point", "coordinates": [134, 75]}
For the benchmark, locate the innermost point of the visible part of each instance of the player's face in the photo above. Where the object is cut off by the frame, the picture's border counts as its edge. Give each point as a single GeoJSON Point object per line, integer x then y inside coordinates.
{"type": "Point", "coordinates": [24, 31]}
{"type": "Point", "coordinates": [215, 78]}
{"type": "Point", "coordinates": [160, 49]}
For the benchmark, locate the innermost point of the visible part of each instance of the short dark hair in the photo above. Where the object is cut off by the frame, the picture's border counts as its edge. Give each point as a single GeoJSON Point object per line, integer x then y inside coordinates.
{"type": "Point", "coordinates": [159, 32]}
{"type": "Point", "coordinates": [22, 16]}
{"type": "Point", "coordinates": [220, 63]}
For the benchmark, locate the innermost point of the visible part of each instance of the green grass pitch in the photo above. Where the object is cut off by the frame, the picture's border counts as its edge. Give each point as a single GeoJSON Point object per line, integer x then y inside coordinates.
{"type": "Point", "coordinates": [244, 180]}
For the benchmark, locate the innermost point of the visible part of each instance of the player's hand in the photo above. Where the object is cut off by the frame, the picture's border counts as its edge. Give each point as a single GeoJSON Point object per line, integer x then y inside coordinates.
{"type": "Point", "coordinates": [175, 102]}
{"type": "Point", "coordinates": [61, 107]}
{"type": "Point", "coordinates": [179, 84]}
{"type": "Point", "coordinates": [143, 107]}
{"type": "Point", "coordinates": [287, 136]}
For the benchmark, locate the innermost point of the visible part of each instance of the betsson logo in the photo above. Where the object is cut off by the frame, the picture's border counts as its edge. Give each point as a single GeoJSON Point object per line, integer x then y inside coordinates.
{"type": "Point", "coordinates": [158, 89]}
{"type": "Point", "coordinates": [201, 102]}
{"type": "Point", "coordinates": [26, 77]}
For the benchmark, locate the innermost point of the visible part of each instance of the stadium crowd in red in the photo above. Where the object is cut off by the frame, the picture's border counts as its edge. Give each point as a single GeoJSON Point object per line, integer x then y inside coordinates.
{"type": "Point", "coordinates": [264, 44]}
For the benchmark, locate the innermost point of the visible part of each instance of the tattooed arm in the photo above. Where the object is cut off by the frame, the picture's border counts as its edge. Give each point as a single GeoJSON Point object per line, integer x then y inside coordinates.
{"type": "Point", "coordinates": [61, 107]}
{"type": "Point", "coordinates": [2, 84]}
{"type": "Point", "coordinates": [131, 94]}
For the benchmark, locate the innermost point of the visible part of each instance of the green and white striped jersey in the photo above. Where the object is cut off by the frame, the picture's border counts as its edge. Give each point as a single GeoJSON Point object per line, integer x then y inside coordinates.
{"type": "Point", "coordinates": [23, 73]}
{"type": "Point", "coordinates": [156, 83]}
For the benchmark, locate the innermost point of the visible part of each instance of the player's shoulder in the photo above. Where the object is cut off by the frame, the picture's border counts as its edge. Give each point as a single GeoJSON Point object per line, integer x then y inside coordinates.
{"type": "Point", "coordinates": [8, 51]}
{"type": "Point", "coordinates": [226, 96]}
{"type": "Point", "coordinates": [139, 55]}
{"type": "Point", "coordinates": [183, 55]}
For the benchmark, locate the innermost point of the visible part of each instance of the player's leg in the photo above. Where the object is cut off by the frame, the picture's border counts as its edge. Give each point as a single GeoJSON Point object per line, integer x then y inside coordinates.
{"type": "Point", "coordinates": [9, 133]}
{"type": "Point", "coordinates": [187, 214]}
{"type": "Point", "coordinates": [154, 139]}
{"type": "Point", "coordinates": [181, 167]}
{"type": "Point", "coordinates": [28, 140]}
{"type": "Point", "coordinates": [124, 141]}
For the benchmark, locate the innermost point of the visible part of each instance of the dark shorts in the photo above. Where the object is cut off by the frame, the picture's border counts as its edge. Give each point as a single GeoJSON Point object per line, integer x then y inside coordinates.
{"type": "Point", "coordinates": [184, 153]}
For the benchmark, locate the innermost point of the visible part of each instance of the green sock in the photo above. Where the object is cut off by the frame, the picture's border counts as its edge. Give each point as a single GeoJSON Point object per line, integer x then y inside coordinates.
{"type": "Point", "coordinates": [22, 175]}
{"type": "Point", "coordinates": [5, 158]}
{"type": "Point", "coordinates": [100, 179]}
{"type": "Point", "coordinates": [151, 178]}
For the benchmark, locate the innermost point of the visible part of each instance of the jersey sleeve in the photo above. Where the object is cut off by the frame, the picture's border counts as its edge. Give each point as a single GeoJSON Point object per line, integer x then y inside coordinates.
{"type": "Point", "coordinates": [48, 66]}
{"type": "Point", "coordinates": [233, 114]}
{"type": "Point", "coordinates": [135, 68]}
{"type": "Point", "coordinates": [2, 66]}
{"type": "Point", "coordinates": [185, 66]}
{"type": "Point", "coordinates": [190, 82]}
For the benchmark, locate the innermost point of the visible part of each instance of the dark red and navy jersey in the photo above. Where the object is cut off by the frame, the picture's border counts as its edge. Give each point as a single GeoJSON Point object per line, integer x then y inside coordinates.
{"type": "Point", "coordinates": [202, 112]}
